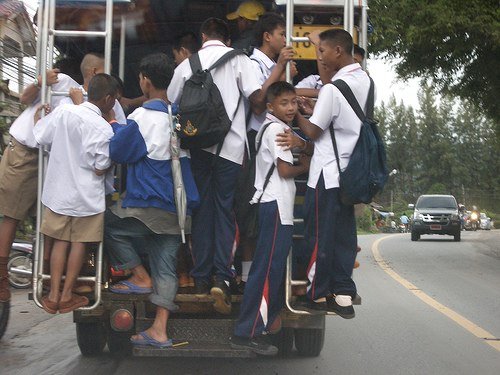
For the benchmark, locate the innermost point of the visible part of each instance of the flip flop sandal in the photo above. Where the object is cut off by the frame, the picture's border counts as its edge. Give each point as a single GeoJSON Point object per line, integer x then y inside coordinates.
{"type": "Point", "coordinates": [74, 303]}
{"type": "Point", "coordinates": [131, 288]}
{"type": "Point", "coordinates": [48, 305]}
{"type": "Point", "coordinates": [147, 340]}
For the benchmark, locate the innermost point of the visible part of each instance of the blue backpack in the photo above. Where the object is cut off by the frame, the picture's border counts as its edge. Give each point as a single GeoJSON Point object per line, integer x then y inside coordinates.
{"type": "Point", "coordinates": [366, 173]}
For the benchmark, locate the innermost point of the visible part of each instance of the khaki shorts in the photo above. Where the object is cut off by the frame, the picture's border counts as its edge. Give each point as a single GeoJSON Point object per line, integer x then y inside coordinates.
{"type": "Point", "coordinates": [18, 180]}
{"type": "Point", "coordinates": [71, 228]}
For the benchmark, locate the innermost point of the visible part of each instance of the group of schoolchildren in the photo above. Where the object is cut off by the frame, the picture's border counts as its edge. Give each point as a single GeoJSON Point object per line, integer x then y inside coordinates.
{"type": "Point", "coordinates": [87, 138]}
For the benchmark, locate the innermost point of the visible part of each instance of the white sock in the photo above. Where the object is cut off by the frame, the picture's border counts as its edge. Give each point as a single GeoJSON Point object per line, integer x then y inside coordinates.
{"type": "Point", "coordinates": [343, 301]}
{"type": "Point", "coordinates": [245, 270]}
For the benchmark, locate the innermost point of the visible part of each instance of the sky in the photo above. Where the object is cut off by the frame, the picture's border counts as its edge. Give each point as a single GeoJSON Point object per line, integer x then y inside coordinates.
{"type": "Point", "coordinates": [387, 84]}
{"type": "Point", "coordinates": [382, 72]}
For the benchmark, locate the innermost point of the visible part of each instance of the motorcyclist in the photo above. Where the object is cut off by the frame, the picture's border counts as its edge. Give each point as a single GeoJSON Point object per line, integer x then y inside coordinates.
{"type": "Point", "coordinates": [474, 217]}
{"type": "Point", "coordinates": [405, 221]}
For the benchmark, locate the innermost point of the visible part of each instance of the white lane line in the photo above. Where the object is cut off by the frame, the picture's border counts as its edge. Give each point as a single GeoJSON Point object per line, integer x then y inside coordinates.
{"type": "Point", "coordinates": [453, 315]}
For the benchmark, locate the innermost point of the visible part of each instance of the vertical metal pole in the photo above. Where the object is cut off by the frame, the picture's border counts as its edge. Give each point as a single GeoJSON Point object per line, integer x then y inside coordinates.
{"type": "Point", "coordinates": [346, 15]}
{"type": "Point", "coordinates": [121, 66]}
{"type": "Point", "coordinates": [43, 26]}
{"type": "Point", "coordinates": [109, 36]}
{"type": "Point", "coordinates": [364, 31]}
{"type": "Point", "coordinates": [38, 37]}
{"type": "Point", "coordinates": [289, 32]}
{"type": "Point", "coordinates": [351, 18]}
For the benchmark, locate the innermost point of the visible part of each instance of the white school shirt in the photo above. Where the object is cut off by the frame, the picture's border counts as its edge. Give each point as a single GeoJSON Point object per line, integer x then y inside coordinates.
{"type": "Point", "coordinates": [332, 106]}
{"type": "Point", "coordinates": [312, 81]}
{"type": "Point", "coordinates": [236, 76]}
{"type": "Point", "coordinates": [119, 114]}
{"type": "Point", "coordinates": [79, 139]}
{"type": "Point", "coordinates": [122, 120]}
{"type": "Point", "coordinates": [264, 66]}
{"type": "Point", "coordinates": [22, 128]}
{"type": "Point", "coordinates": [279, 189]}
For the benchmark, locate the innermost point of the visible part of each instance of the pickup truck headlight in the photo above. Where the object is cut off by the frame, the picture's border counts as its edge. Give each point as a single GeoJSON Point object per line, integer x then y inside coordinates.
{"type": "Point", "coordinates": [418, 216]}
{"type": "Point", "coordinates": [454, 217]}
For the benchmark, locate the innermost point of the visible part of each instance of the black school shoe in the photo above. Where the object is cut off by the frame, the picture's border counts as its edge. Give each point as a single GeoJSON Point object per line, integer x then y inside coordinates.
{"type": "Point", "coordinates": [258, 345]}
{"type": "Point", "coordinates": [315, 308]}
{"type": "Point", "coordinates": [201, 287]}
{"type": "Point", "coordinates": [222, 296]}
{"type": "Point", "coordinates": [346, 312]}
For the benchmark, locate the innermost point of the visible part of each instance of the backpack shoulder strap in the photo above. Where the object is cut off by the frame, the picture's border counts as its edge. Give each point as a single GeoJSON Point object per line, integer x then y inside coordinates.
{"type": "Point", "coordinates": [194, 61]}
{"type": "Point", "coordinates": [351, 99]}
{"type": "Point", "coordinates": [226, 57]}
{"type": "Point", "coordinates": [271, 170]}
{"type": "Point", "coordinates": [264, 128]}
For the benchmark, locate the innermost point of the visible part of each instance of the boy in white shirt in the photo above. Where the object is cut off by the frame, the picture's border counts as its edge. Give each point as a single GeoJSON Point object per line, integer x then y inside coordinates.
{"type": "Point", "coordinates": [19, 168]}
{"type": "Point", "coordinates": [216, 173]}
{"type": "Point", "coordinates": [262, 300]}
{"type": "Point", "coordinates": [267, 55]}
{"type": "Point", "coordinates": [73, 191]}
{"type": "Point", "coordinates": [330, 225]}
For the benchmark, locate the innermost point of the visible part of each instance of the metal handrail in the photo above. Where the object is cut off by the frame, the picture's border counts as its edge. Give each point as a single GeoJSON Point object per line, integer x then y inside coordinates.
{"type": "Point", "coordinates": [47, 33]}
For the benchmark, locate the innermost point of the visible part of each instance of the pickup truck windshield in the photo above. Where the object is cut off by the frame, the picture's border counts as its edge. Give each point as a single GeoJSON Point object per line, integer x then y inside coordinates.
{"type": "Point", "coordinates": [436, 202]}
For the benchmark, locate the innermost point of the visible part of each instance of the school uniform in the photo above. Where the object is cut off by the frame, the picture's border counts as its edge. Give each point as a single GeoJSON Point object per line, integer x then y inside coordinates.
{"type": "Point", "coordinates": [121, 119]}
{"type": "Point", "coordinates": [214, 226]}
{"type": "Point", "coordinates": [19, 165]}
{"type": "Point", "coordinates": [146, 219]}
{"type": "Point", "coordinates": [79, 140]}
{"type": "Point", "coordinates": [263, 299]}
{"type": "Point", "coordinates": [312, 81]}
{"type": "Point", "coordinates": [264, 66]}
{"type": "Point", "coordinates": [119, 114]}
{"type": "Point", "coordinates": [330, 226]}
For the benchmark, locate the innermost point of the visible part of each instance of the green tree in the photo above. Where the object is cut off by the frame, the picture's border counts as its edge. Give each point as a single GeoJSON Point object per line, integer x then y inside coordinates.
{"type": "Point", "coordinates": [454, 42]}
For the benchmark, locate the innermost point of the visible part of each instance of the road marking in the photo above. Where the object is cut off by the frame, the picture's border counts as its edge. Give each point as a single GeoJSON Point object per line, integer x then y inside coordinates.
{"type": "Point", "coordinates": [456, 317]}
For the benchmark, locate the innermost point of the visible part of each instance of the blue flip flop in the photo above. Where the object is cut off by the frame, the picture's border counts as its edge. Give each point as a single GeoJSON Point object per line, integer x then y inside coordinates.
{"type": "Point", "coordinates": [147, 340]}
{"type": "Point", "coordinates": [131, 288]}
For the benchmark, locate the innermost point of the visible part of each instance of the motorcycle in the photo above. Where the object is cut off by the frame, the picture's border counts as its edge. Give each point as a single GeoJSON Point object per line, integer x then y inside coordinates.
{"type": "Point", "coordinates": [20, 264]}
{"type": "Point", "coordinates": [471, 221]}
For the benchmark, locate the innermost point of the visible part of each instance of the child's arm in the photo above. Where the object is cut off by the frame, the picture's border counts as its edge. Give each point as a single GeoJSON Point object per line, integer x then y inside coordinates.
{"type": "Point", "coordinates": [310, 93]}
{"type": "Point", "coordinates": [127, 145]}
{"type": "Point", "coordinates": [287, 170]}
{"type": "Point", "coordinates": [290, 140]}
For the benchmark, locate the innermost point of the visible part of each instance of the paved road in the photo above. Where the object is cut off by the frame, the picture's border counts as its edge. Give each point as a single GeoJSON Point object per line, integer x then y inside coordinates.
{"type": "Point", "coordinates": [427, 308]}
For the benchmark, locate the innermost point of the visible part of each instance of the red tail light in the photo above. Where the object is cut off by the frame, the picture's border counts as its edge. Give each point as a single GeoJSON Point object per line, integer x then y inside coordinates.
{"type": "Point", "coordinates": [122, 320]}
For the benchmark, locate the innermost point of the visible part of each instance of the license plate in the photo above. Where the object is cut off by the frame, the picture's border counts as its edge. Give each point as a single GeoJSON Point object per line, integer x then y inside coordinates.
{"type": "Point", "coordinates": [435, 227]}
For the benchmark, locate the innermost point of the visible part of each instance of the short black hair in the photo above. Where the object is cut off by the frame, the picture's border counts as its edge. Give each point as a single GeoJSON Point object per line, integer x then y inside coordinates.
{"type": "Point", "coordinates": [277, 89]}
{"type": "Point", "coordinates": [159, 68]}
{"type": "Point", "coordinates": [338, 37]}
{"type": "Point", "coordinates": [359, 51]}
{"type": "Point", "coordinates": [267, 23]}
{"type": "Point", "coordinates": [100, 85]}
{"type": "Point", "coordinates": [70, 66]}
{"type": "Point", "coordinates": [215, 28]}
{"type": "Point", "coordinates": [188, 40]}
{"type": "Point", "coordinates": [119, 82]}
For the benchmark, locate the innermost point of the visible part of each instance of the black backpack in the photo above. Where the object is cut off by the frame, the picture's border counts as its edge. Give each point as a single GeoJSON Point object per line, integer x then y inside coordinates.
{"type": "Point", "coordinates": [366, 173]}
{"type": "Point", "coordinates": [246, 213]}
{"type": "Point", "coordinates": [202, 116]}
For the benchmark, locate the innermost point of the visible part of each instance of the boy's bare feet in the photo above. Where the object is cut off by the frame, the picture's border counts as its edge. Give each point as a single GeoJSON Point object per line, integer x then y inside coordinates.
{"type": "Point", "coordinates": [155, 334]}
